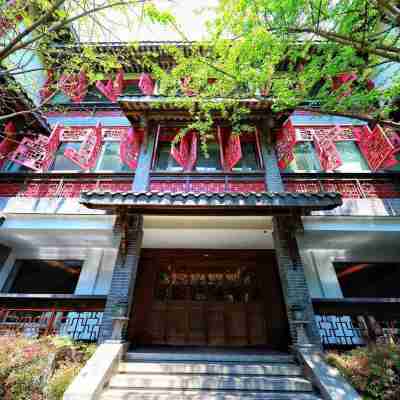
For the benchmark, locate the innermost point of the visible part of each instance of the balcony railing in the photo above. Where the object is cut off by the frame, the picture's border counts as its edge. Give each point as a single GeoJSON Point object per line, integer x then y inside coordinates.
{"type": "Point", "coordinates": [351, 322]}
{"type": "Point", "coordinates": [208, 182]}
{"type": "Point", "coordinates": [78, 317]}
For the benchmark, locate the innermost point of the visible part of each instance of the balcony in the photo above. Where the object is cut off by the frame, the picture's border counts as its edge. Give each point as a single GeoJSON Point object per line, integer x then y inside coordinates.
{"type": "Point", "coordinates": [351, 322]}
{"type": "Point", "coordinates": [78, 317]}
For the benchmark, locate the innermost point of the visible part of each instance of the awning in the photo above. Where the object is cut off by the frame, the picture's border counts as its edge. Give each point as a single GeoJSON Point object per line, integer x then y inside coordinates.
{"type": "Point", "coordinates": [227, 203]}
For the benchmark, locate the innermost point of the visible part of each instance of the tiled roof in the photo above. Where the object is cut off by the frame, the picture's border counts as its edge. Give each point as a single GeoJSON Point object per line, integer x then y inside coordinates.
{"type": "Point", "coordinates": [213, 203]}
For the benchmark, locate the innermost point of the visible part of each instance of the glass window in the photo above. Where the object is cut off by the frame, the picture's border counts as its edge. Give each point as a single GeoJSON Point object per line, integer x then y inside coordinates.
{"type": "Point", "coordinates": [164, 160]}
{"type": "Point", "coordinates": [248, 162]}
{"type": "Point", "coordinates": [210, 163]}
{"type": "Point", "coordinates": [305, 158]}
{"type": "Point", "coordinates": [352, 159]}
{"type": "Point", "coordinates": [61, 163]}
{"type": "Point", "coordinates": [110, 159]}
{"type": "Point", "coordinates": [11, 166]}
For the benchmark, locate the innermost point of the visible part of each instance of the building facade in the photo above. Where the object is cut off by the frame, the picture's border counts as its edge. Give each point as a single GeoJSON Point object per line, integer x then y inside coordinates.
{"type": "Point", "coordinates": [112, 231]}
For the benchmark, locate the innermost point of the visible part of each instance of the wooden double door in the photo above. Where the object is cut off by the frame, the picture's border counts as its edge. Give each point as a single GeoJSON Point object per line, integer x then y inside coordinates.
{"type": "Point", "coordinates": [208, 298]}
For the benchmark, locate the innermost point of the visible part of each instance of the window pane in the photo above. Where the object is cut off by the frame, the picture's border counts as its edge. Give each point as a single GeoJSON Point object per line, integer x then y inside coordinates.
{"type": "Point", "coordinates": [110, 159]}
{"type": "Point", "coordinates": [351, 156]}
{"type": "Point", "coordinates": [305, 158]}
{"type": "Point", "coordinates": [212, 163]}
{"type": "Point", "coordinates": [165, 162]}
{"type": "Point", "coordinates": [10, 166]}
{"type": "Point", "coordinates": [248, 162]}
{"type": "Point", "coordinates": [62, 163]}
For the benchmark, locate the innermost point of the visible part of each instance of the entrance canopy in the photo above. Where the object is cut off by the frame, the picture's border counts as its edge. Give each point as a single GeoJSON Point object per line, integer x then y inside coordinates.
{"type": "Point", "coordinates": [250, 203]}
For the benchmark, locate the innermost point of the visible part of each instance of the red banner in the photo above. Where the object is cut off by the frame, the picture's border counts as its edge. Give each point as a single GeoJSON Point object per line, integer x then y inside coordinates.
{"type": "Point", "coordinates": [327, 153]}
{"type": "Point", "coordinates": [74, 86]}
{"type": "Point", "coordinates": [233, 152]}
{"type": "Point", "coordinates": [285, 143]}
{"type": "Point", "coordinates": [130, 148]}
{"type": "Point", "coordinates": [113, 89]}
{"type": "Point", "coordinates": [186, 155]}
{"type": "Point", "coordinates": [86, 156]}
{"type": "Point", "coordinates": [7, 145]}
{"type": "Point", "coordinates": [146, 84]}
{"type": "Point", "coordinates": [37, 154]}
{"type": "Point", "coordinates": [376, 148]}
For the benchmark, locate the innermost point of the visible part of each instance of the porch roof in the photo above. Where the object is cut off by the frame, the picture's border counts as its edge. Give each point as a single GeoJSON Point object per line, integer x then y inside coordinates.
{"type": "Point", "coordinates": [226, 203]}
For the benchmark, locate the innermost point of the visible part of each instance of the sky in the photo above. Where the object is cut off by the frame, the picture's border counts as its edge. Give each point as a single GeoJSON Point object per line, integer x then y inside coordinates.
{"type": "Point", "coordinates": [191, 16]}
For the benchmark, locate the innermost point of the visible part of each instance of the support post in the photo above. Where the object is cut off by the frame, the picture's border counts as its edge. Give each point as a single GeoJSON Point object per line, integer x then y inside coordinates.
{"type": "Point", "coordinates": [141, 181]}
{"type": "Point", "coordinates": [273, 178]}
{"type": "Point", "coordinates": [120, 297]}
{"type": "Point", "coordinates": [302, 325]}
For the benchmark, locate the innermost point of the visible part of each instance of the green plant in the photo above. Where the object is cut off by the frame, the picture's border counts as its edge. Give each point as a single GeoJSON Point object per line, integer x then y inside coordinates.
{"type": "Point", "coordinates": [374, 370]}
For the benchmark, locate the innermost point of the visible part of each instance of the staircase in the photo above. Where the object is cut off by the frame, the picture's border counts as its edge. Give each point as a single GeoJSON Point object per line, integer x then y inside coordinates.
{"type": "Point", "coordinates": [208, 376]}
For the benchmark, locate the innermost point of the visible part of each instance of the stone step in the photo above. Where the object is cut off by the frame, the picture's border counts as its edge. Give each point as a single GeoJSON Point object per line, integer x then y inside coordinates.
{"type": "Point", "coordinates": [116, 394]}
{"type": "Point", "coordinates": [209, 382]}
{"type": "Point", "coordinates": [210, 368]}
{"type": "Point", "coordinates": [240, 358]}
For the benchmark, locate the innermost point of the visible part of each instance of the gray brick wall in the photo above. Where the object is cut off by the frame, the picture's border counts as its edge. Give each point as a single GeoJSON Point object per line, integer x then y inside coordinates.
{"type": "Point", "coordinates": [273, 178]}
{"type": "Point", "coordinates": [124, 274]}
{"type": "Point", "coordinates": [293, 280]}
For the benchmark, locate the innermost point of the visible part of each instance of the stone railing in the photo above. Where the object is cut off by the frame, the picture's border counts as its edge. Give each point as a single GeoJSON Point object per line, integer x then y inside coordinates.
{"type": "Point", "coordinates": [351, 322]}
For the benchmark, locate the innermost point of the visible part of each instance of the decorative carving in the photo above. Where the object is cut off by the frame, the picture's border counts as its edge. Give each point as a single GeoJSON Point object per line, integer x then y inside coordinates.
{"type": "Point", "coordinates": [376, 148]}
{"type": "Point", "coordinates": [113, 89]}
{"type": "Point", "coordinates": [327, 153]}
{"type": "Point", "coordinates": [285, 143]}
{"type": "Point", "coordinates": [74, 86]}
{"type": "Point", "coordinates": [146, 84]}
{"type": "Point", "coordinates": [186, 156]}
{"type": "Point", "coordinates": [307, 133]}
{"type": "Point", "coordinates": [89, 151]}
{"type": "Point", "coordinates": [130, 148]}
{"type": "Point", "coordinates": [37, 154]}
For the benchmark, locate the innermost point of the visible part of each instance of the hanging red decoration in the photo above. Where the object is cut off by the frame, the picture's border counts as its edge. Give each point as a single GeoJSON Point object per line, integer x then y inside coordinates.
{"type": "Point", "coordinates": [186, 155]}
{"type": "Point", "coordinates": [376, 148]}
{"type": "Point", "coordinates": [46, 91]}
{"type": "Point", "coordinates": [7, 145]}
{"type": "Point", "coordinates": [185, 86]}
{"type": "Point", "coordinates": [74, 85]}
{"type": "Point", "coordinates": [37, 154]}
{"type": "Point", "coordinates": [341, 79]}
{"type": "Point", "coordinates": [327, 152]}
{"type": "Point", "coordinates": [146, 84]}
{"type": "Point", "coordinates": [285, 143]}
{"type": "Point", "coordinates": [86, 156]}
{"type": "Point", "coordinates": [114, 88]}
{"type": "Point", "coordinates": [233, 152]}
{"type": "Point", "coordinates": [130, 148]}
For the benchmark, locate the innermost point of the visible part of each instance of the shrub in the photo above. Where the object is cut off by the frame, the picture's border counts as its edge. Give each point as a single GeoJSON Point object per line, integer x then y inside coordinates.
{"type": "Point", "coordinates": [39, 369]}
{"type": "Point", "coordinates": [374, 370]}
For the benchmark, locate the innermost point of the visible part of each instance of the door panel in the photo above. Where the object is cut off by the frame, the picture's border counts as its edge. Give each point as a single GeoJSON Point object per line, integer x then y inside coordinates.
{"type": "Point", "coordinates": [205, 297]}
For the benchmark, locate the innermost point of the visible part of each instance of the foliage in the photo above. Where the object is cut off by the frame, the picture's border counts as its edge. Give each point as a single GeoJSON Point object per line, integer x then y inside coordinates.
{"type": "Point", "coordinates": [374, 371]}
{"type": "Point", "coordinates": [38, 369]}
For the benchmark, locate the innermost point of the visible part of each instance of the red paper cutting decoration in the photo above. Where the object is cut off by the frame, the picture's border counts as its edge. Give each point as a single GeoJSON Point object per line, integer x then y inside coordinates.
{"type": "Point", "coordinates": [327, 153]}
{"type": "Point", "coordinates": [376, 148]}
{"type": "Point", "coordinates": [113, 89]}
{"type": "Point", "coordinates": [146, 84]}
{"type": "Point", "coordinates": [193, 153]}
{"type": "Point", "coordinates": [185, 85]}
{"type": "Point", "coordinates": [37, 154]}
{"type": "Point", "coordinates": [7, 146]}
{"type": "Point", "coordinates": [130, 148]}
{"type": "Point", "coordinates": [74, 85]}
{"type": "Point", "coordinates": [46, 91]}
{"type": "Point", "coordinates": [233, 152]}
{"type": "Point", "coordinates": [186, 156]}
{"type": "Point", "coordinates": [88, 152]}
{"type": "Point", "coordinates": [285, 143]}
